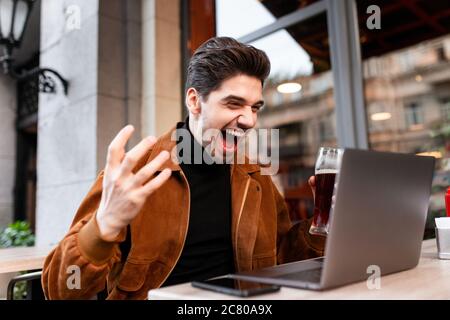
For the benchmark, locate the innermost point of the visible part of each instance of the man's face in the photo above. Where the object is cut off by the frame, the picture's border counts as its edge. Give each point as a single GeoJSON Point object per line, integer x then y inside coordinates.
{"type": "Point", "coordinates": [231, 109]}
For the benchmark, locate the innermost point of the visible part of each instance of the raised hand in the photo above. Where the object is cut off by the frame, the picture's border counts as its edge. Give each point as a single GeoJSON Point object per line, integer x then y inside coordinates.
{"type": "Point", "coordinates": [125, 192]}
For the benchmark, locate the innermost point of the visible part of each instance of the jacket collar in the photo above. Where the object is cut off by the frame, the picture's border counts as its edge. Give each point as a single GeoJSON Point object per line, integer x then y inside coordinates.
{"type": "Point", "coordinates": [167, 143]}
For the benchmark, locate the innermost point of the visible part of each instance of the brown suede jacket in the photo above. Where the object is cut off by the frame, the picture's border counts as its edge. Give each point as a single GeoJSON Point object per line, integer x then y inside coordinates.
{"type": "Point", "coordinates": [262, 236]}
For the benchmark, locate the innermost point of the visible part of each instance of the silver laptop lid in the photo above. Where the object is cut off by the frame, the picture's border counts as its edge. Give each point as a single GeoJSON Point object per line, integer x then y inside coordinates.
{"type": "Point", "coordinates": [379, 214]}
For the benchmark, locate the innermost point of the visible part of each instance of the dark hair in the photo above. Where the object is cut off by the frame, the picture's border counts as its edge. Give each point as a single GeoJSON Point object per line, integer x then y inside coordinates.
{"type": "Point", "coordinates": [221, 58]}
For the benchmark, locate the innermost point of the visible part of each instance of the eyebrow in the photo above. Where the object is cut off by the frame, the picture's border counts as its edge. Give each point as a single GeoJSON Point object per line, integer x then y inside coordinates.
{"type": "Point", "coordinates": [240, 99]}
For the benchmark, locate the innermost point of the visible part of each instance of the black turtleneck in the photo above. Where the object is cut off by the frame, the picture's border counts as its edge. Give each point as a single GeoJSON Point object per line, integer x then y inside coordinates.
{"type": "Point", "coordinates": [208, 250]}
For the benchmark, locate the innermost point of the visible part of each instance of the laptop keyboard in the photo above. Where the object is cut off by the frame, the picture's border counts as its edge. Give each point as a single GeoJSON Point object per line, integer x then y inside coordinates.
{"type": "Point", "coordinates": [311, 275]}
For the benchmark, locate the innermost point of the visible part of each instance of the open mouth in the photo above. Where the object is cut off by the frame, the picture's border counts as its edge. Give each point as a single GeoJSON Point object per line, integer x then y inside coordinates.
{"type": "Point", "coordinates": [230, 139]}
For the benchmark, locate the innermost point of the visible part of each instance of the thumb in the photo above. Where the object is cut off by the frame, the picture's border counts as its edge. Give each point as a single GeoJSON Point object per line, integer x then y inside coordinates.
{"type": "Point", "coordinates": [312, 184]}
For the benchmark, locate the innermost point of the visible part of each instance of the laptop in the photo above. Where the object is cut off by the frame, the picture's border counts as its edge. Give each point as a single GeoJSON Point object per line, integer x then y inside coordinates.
{"type": "Point", "coordinates": [377, 222]}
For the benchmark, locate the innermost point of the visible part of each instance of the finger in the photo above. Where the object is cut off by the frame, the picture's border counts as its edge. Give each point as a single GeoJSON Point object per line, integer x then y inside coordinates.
{"type": "Point", "coordinates": [312, 181]}
{"type": "Point", "coordinates": [156, 182]}
{"type": "Point", "coordinates": [143, 175]}
{"type": "Point", "coordinates": [116, 148]}
{"type": "Point", "coordinates": [312, 185]}
{"type": "Point", "coordinates": [132, 157]}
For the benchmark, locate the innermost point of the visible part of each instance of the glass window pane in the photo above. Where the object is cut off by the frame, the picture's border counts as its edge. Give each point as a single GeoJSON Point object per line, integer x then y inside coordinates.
{"type": "Point", "coordinates": [299, 102]}
{"type": "Point", "coordinates": [407, 86]}
{"type": "Point", "coordinates": [19, 20]}
{"type": "Point", "coordinates": [6, 8]}
{"type": "Point", "coordinates": [236, 18]}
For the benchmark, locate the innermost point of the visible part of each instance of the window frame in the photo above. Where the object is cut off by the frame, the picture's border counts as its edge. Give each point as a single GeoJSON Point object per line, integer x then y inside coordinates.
{"type": "Point", "coordinates": [345, 52]}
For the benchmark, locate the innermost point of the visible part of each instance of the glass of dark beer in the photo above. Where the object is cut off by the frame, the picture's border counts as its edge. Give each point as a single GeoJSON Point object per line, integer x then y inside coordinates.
{"type": "Point", "coordinates": [327, 165]}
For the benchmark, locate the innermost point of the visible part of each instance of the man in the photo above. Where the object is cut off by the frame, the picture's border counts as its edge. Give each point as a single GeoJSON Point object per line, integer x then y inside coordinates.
{"type": "Point", "coordinates": [149, 221]}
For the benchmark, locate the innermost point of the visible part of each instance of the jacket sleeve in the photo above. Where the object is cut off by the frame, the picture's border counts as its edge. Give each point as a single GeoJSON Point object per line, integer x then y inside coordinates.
{"type": "Point", "coordinates": [294, 242]}
{"type": "Point", "coordinates": [79, 266]}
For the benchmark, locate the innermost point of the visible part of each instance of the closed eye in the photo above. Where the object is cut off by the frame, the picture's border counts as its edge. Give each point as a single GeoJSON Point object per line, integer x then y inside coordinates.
{"type": "Point", "coordinates": [234, 104]}
{"type": "Point", "coordinates": [257, 108]}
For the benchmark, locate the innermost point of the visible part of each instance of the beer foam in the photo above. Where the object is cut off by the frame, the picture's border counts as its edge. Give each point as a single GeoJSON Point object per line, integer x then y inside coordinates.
{"type": "Point", "coordinates": [326, 171]}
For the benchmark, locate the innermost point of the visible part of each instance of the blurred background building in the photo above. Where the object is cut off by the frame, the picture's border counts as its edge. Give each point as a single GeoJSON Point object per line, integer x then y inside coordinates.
{"type": "Point", "coordinates": [337, 79]}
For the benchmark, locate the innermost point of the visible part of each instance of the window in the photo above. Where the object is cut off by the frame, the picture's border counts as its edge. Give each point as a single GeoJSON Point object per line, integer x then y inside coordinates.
{"type": "Point", "coordinates": [414, 115]}
{"type": "Point", "coordinates": [406, 83]}
{"type": "Point", "coordinates": [277, 98]}
{"type": "Point", "coordinates": [326, 130]}
{"type": "Point", "coordinates": [236, 18]}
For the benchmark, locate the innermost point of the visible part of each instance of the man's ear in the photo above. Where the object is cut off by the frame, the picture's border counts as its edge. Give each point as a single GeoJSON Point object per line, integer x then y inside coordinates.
{"type": "Point", "coordinates": [193, 101]}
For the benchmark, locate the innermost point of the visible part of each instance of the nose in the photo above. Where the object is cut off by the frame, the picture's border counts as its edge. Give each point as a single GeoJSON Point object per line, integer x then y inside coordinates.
{"type": "Point", "coordinates": [247, 119]}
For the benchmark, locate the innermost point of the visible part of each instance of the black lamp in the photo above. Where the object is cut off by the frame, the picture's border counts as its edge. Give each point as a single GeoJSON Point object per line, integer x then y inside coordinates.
{"type": "Point", "coordinates": [14, 15]}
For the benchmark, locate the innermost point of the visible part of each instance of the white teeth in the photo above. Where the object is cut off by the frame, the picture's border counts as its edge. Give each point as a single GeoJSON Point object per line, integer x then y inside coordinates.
{"type": "Point", "coordinates": [235, 133]}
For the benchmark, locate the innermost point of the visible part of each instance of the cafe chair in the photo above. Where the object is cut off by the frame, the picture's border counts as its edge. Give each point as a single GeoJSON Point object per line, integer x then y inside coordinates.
{"type": "Point", "coordinates": [27, 277]}
{"type": "Point", "coordinates": [36, 275]}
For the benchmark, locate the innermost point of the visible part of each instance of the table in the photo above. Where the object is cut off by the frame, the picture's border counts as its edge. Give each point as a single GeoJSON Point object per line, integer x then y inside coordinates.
{"type": "Point", "coordinates": [23, 258]}
{"type": "Point", "coordinates": [429, 280]}
{"type": "Point", "coordinates": [17, 259]}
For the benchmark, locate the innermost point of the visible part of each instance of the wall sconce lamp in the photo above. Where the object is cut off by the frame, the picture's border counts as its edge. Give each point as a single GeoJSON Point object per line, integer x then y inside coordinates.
{"type": "Point", "coordinates": [14, 15]}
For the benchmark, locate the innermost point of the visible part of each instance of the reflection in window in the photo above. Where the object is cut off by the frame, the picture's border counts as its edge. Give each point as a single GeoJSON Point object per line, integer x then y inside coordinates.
{"type": "Point", "coordinates": [236, 18]}
{"type": "Point", "coordinates": [414, 115]}
{"type": "Point", "coordinates": [445, 109]}
{"type": "Point", "coordinates": [288, 59]}
{"type": "Point", "coordinates": [326, 130]}
{"type": "Point", "coordinates": [407, 103]}
{"type": "Point", "coordinates": [276, 98]}
{"type": "Point", "coordinates": [299, 98]}
{"type": "Point", "coordinates": [407, 70]}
